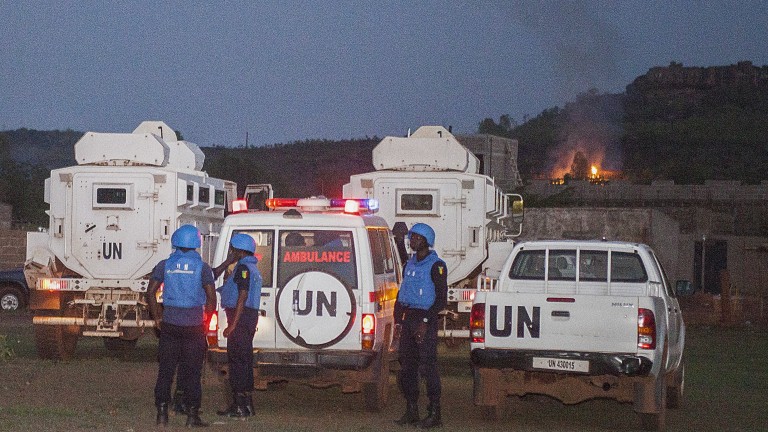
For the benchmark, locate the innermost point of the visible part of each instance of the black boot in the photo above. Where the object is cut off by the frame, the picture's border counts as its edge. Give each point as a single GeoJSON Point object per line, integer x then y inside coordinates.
{"type": "Point", "coordinates": [248, 403]}
{"type": "Point", "coordinates": [411, 415]}
{"type": "Point", "coordinates": [433, 418]}
{"type": "Point", "coordinates": [193, 418]}
{"type": "Point", "coordinates": [162, 414]}
{"type": "Point", "coordinates": [239, 407]}
{"type": "Point", "coordinates": [179, 407]}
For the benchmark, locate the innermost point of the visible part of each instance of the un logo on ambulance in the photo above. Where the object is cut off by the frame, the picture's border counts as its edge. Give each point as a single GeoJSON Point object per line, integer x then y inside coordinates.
{"type": "Point", "coordinates": [315, 310]}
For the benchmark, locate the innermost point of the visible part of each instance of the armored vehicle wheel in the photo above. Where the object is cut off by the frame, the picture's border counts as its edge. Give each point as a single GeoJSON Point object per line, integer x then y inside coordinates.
{"type": "Point", "coordinates": [55, 342]}
{"type": "Point", "coordinates": [376, 394]}
{"type": "Point", "coordinates": [119, 344]}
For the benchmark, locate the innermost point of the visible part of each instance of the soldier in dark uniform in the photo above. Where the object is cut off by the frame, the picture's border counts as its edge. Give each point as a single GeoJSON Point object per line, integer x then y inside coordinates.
{"type": "Point", "coordinates": [240, 298]}
{"type": "Point", "coordinates": [423, 294]}
{"type": "Point", "coordinates": [188, 291]}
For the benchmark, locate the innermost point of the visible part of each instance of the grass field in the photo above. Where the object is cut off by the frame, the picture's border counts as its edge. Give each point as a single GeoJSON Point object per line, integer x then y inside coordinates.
{"type": "Point", "coordinates": [726, 390]}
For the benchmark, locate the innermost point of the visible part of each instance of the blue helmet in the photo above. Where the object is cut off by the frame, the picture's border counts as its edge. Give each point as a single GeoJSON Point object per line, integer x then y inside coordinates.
{"type": "Point", "coordinates": [425, 231]}
{"type": "Point", "coordinates": [243, 242]}
{"type": "Point", "coordinates": [187, 236]}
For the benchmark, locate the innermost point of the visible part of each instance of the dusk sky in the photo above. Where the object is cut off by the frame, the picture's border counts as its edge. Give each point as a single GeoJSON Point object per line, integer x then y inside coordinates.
{"type": "Point", "coordinates": [286, 71]}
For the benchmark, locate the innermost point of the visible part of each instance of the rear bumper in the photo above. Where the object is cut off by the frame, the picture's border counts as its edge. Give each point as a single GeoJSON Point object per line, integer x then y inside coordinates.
{"type": "Point", "coordinates": [618, 364]}
{"type": "Point", "coordinates": [310, 359]}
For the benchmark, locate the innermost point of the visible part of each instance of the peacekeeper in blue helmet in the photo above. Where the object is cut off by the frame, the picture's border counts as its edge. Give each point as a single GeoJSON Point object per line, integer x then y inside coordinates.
{"type": "Point", "coordinates": [188, 292]}
{"type": "Point", "coordinates": [423, 294]}
{"type": "Point", "coordinates": [240, 298]}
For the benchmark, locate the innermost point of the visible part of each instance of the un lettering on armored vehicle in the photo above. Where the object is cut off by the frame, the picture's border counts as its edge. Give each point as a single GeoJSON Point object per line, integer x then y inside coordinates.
{"type": "Point", "coordinates": [111, 217]}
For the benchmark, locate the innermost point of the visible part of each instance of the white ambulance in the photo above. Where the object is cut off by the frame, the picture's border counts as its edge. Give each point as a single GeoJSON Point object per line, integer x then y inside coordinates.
{"type": "Point", "coordinates": [330, 278]}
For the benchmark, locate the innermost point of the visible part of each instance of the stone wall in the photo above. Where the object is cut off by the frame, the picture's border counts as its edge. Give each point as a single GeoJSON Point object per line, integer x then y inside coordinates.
{"type": "Point", "coordinates": [13, 248]}
{"type": "Point", "coordinates": [5, 216]}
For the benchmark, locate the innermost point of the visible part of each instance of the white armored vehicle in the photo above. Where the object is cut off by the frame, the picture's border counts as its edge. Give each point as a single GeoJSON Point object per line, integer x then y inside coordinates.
{"type": "Point", "coordinates": [110, 222]}
{"type": "Point", "coordinates": [430, 177]}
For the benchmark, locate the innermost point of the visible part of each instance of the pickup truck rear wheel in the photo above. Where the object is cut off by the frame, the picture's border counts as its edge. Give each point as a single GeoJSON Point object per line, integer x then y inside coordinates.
{"type": "Point", "coordinates": [55, 342]}
{"type": "Point", "coordinates": [656, 421]}
{"type": "Point", "coordinates": [11, 298]}
{"type": "Point", "coordinates": [676, 388]}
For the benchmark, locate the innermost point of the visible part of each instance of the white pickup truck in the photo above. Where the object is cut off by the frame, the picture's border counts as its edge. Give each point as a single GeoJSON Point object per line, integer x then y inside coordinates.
{"type": "Point", "coordinates": [578, 320]}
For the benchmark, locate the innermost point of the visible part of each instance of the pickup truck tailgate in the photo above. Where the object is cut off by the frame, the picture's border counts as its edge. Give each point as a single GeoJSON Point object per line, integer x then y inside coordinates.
{"type": "Point", "coordinates": [584, 323]}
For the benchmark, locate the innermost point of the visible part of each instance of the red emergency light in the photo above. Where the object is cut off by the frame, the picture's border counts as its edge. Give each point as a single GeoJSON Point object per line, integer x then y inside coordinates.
{"type": "Point", "coordinates": [349, 205]}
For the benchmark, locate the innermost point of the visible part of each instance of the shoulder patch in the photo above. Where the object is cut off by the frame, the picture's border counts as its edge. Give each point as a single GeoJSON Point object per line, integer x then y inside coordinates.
{"type": "Point", "coordinates": [440, 269]}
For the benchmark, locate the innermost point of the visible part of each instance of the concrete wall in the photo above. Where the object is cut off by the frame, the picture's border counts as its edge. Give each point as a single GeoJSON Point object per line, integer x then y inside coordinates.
{"type": "Point", "coordinates": [642, 225]}
{"type": "Point", "coordinates": [5, 216]}
{"type": "Point", "coordinates": [675, 237]}
{"type": "Point", "coordinates": [13, 248]}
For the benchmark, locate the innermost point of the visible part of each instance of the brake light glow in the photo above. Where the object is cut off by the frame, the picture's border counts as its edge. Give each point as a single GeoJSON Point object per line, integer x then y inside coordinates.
{"type": "Point", "coordinates": [477, 322]}
{"type": "Point", "coordinates": [53, 284]}
{"type": "Point", "coordinates": [213, 328]}
{"type": "Point", "coordinates": [646, 329]}
{"type": "Point", "coordinates": [368, 330]}
{"type": "Point", "coordinates": [239, 206]}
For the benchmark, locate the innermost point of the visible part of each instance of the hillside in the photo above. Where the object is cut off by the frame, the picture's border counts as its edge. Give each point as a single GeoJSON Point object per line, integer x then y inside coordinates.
{"type": "Point", "coordinates": [686, 124]}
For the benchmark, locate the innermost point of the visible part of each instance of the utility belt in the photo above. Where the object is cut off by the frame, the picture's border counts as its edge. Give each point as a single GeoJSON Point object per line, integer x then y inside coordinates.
{"type": "Point", "coordinates": [410, 313]}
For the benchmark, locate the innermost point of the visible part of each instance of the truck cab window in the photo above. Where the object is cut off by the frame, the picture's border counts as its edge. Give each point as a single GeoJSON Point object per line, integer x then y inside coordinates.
{"type": "Point", "coordinates": [593, 266]}
{"type": "Point", "coordinates": [627, 267]}
{"type": "Point", "coordinates": [562, 265]}
{"type": "Point", "coordinates": [529, 265]}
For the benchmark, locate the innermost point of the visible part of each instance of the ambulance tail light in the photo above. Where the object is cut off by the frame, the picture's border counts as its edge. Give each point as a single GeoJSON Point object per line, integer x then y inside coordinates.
{"type": "Point", "coordinates": [368, 330]}
{"type": "Point", "coordinates": [239, 206]}
{"type": "Point", "coordinates": [212, 324]}
{"type": "Point", "coordinates": [646, 329]}
{"type": "Point", "coordinates": [477, 323]}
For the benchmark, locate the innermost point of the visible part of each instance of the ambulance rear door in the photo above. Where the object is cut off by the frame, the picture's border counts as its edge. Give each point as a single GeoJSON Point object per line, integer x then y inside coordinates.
{"type": "Point", "coordinates": [113, 223]}
{"type": "Point", "coordinates": [318, 289]}
{"type": "Point", "coordinates": [265, 254]}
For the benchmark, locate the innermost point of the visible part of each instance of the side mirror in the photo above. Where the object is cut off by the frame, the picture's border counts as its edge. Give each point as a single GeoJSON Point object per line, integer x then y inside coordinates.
{"type": "Point", "coordinates": [516, 208]}
{"type": "Point", "coordinates": [684, 288]}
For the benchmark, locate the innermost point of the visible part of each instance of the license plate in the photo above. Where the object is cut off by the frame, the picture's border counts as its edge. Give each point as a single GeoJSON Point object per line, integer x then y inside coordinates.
{"type": "Point", "coordinates": [561, 364]}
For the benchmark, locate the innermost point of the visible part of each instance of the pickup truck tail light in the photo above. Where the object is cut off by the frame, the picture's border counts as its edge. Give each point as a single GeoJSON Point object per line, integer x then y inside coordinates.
{"type": "Point", "coordinates": [477, 322]}
{"type": "Point", "coordinates": [646, 329]}
{"type": "Point", "coordinates": [369, 330]}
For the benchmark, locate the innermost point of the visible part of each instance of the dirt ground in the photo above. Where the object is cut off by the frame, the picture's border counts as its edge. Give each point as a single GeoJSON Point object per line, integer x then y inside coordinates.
{"type": "Point", "coordinates": [727, 390]}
